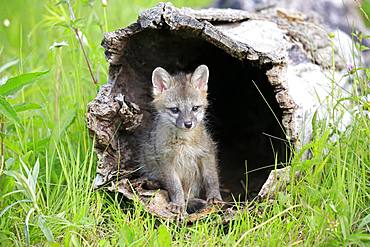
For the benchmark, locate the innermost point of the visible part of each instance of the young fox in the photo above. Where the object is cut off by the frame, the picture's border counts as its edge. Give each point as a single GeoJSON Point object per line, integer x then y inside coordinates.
{"type": "Point", "coordinates": [179, 153]}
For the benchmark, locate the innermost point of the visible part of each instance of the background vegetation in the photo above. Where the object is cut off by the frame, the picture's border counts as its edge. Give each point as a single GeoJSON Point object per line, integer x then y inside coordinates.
{"type": "Point", "coordinates": [46, 195]}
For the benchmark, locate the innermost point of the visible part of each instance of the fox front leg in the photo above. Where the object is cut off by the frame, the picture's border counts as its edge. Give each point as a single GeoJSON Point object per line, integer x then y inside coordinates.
{"type": "Point", "coordinates": [176, 193]}
{"type": "Point", "coordinates": [210, 180]}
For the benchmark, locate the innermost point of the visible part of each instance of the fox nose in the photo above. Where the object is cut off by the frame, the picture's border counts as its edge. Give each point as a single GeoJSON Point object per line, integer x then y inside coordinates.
{"type": "Point", "coordinates": [188, 124]}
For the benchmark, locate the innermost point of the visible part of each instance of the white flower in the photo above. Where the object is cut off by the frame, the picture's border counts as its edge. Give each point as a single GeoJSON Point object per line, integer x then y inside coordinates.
{"type": "Point", "coordinates": [104, 3]}
{"type": "Point", "coordinates": [58, 45]}
{"type": "Point", "coordinates": [6, 23]}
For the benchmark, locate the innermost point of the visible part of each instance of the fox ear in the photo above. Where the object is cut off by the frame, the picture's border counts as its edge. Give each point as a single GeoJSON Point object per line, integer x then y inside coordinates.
{"type": "Point", "coordinates": [161, 80]}
{"type": "Point", "coordinates": [200, 77]}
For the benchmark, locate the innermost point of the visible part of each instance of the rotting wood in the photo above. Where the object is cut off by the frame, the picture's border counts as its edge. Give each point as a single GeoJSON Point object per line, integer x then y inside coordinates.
{"type": "Point", "coordinates": [294, 55]}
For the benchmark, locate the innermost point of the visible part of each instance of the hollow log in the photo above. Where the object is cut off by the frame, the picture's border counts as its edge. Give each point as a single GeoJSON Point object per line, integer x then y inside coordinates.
{"type": "Point", "coordinates": [268, 77]}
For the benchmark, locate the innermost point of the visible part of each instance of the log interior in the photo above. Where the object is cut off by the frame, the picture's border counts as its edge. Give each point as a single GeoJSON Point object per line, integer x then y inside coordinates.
{"type": "Point", "coordinates": [239, 118]}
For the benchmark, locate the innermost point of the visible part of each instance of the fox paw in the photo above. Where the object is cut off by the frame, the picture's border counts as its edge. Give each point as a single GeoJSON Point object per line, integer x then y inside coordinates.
{"type": "Point", "coordinates": [215, 201]}
{"type": "Point", "coordinates": [175, 208]}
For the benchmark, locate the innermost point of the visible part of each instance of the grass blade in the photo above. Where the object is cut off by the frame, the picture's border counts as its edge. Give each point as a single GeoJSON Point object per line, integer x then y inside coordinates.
{"type": "Point", "coordinates": [12, 205]}
{"type": "Point", "coordinates": [8, 65]}
{"type": "Point", "coordinates": [12, 193]}
{"type": "Point", "coordinates": [365, 221]}
{"type": "Point", "coordinates": [26, 227]}
{"type": "Point", "coordinates": [41, 222]}
{"type": "Point", "coordinates": [14, 84]}
{"type": "Point", "coordinates": [59, 130]}
{"type": "Point", "coordinates": [26, 107]}
{"type": "Point", "coordinates": [35, 174]}
{"type": "Point", "coordinates": [164, 237]}
{"type": "Point", "coordinates": [8, 111]}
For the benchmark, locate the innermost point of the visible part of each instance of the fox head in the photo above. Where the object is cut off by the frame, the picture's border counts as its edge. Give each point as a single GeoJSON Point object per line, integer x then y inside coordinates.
{"type": "Point", "coordinates": [181, 99]}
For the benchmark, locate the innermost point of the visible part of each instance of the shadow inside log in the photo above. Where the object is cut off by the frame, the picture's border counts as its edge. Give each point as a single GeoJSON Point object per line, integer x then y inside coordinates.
{"type": "Point", "coordinates": [241, 113]}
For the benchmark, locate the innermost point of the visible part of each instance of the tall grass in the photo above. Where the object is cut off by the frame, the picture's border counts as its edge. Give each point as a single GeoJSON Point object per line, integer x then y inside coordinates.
{"type": "Point", "coordinates": [46, 194]}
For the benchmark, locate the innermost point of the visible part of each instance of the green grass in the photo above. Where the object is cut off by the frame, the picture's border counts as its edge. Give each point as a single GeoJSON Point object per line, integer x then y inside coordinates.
{"type": "Point", "coordinates": [54, 204]}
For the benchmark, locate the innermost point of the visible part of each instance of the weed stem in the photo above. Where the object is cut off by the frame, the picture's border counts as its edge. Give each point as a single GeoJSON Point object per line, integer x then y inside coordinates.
{"type": "Point", "coordinates": [73, 18]}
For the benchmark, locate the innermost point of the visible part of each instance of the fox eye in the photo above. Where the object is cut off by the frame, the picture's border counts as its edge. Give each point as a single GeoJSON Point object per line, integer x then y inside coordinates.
{"type": "Point", "coordinates": [195, 108]}
{"type": "Point", "coordinates": [174, 110]}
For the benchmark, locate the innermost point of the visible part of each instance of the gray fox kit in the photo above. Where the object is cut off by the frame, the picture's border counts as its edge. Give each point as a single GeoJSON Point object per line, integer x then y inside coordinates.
{"type": "Point", "coordinates": [178, 152]}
